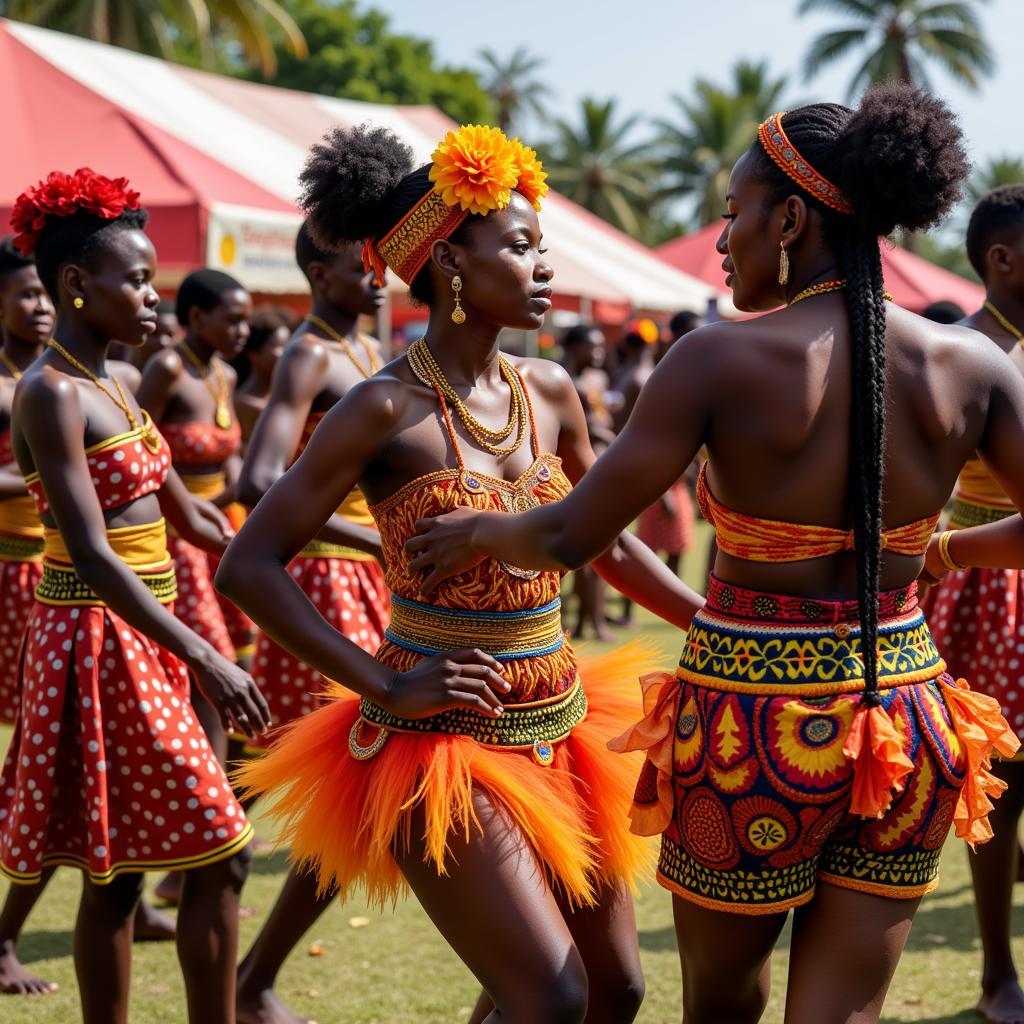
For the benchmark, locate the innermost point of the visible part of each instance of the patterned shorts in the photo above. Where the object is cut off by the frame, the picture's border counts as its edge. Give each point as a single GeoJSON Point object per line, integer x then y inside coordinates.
{"type": "Point", "coordinates": [768, 690]}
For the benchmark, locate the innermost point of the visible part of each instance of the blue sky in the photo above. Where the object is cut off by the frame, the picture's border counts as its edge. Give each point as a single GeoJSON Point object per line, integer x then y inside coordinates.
{"type": "Point", "coordinates": [641, 51]}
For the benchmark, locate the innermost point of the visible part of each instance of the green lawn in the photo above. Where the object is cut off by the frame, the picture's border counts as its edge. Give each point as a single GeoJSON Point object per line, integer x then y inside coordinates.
{"type": "Point", "coordinates": [396, 970]}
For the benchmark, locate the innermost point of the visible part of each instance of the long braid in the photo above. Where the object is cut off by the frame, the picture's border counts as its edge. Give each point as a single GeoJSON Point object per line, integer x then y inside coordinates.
{"type": "Point", "coordinates": [862, 266]}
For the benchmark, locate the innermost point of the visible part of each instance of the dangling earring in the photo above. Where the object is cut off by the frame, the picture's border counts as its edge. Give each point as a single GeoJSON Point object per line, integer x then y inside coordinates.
{"type": "Point", "coordinates": [458, 313]}
{"type": "Point", "coordinates": [78, 302]}
{"type": "Point", "coordinates": [783, 264]}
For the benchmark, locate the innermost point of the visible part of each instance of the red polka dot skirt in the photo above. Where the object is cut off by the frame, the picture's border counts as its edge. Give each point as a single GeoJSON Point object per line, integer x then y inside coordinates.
{"type": "Point", "coordinates": [108, 769]}
{"type": "Point", "coordinates": [977, 621]}
{"type": "Point", "coordinates": [197, 605]}
{"type": "Point", "coordinates": [671, 534]}
{"type": "Point", "coordinates": [17, 588]}
{"type": "Point", "coordinates": [354, 598]}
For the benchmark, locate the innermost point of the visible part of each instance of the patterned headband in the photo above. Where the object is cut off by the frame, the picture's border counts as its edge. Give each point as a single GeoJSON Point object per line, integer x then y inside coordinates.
{"type": "Point", "coordinates": [474, 170]}
{"type": "Point", "coordinates": [777, 145]}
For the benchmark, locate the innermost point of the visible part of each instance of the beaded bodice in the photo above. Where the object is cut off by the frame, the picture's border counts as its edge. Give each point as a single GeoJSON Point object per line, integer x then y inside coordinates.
{"type": "Point", "coordinates": [123, 470]}
{"type": "Point", "coordinates": [201, 444]}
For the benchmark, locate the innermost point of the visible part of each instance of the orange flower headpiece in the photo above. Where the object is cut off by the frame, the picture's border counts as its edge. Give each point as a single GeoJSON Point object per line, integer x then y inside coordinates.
{"type": "Point", "coordinates": [474, 170]}
{"type": "Point", "coordinates": [785, 155]}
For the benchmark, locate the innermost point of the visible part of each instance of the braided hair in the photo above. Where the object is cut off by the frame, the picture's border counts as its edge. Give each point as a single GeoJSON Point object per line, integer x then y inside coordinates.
{"type": "Point", "coordinates": [900, 161]}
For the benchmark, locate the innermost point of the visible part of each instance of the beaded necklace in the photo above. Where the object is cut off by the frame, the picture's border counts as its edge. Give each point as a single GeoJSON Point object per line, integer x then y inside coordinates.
{"type": "Point", "coordinates": [1014, 332]}
{"type": "Point", "coordinates": [12, 366]}
{"type": "Point", "coordinates": [346, 345]}
{"type": "Point", "coordinates": [824, 288]}
{"type": "Point", "coordinates": [150, 438]}
{"type": "Point", "coordinates": [218, 387]}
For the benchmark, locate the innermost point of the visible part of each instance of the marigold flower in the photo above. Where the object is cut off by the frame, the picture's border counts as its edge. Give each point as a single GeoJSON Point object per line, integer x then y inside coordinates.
{"type": "Point", "coordinates": [532, 183]}
{"type": "Point", "coordinates": [475, 168]}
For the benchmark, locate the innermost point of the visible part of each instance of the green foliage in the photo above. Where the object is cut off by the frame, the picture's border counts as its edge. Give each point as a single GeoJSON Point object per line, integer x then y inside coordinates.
{"type": "Point", "coordinates": [356, 55]}
{"type": "Point", "coordinates": [948, 255]}
{"type": "Point", "coordinates": [900, 38]}
{"type": "Point", "coordinates": [1000, 170]}
{"type": "Point", "coordinates": [715, 127]}
{"type": "Point", "coordinates": [592, 163]}
{"type": "Point", "coordinates": [513, 85]}
{"type": "Point", "coordinates": [192, 31]}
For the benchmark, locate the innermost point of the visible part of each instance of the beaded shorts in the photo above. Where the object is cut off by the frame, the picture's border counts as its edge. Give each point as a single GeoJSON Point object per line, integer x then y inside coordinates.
{"type": "Point", "coordinates": [769, 686]}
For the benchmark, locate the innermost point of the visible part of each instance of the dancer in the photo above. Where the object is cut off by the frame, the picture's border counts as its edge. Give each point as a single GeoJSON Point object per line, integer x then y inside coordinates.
{"type": "Point", "coordinates": [338, 570]}
{"type": "Point", "coordinates": [784, 771]}
{"type": "Point", "coordinates": [269, 331]}
{"type": "Point", "coordinates": [108, 770]}
{"type": "Point", "coordinates": [474, 767]}
{"type": "Point", "coordinates": [977, 616]}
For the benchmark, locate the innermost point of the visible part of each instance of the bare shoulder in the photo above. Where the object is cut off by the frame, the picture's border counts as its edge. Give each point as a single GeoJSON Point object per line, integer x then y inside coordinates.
{"type": "Point", "coordinates": [45, 391]}
{"type": "Point", "coordinates": [230, 373]}
{"type": "Point", "coordinates": [165, 365]}
{"type": "Point", "coordinates": [305, 350]}
{"type": "Point", "coordinates": [546, 377]}
{"type": "Point", "coordinates": [379, 402]}
{"type": "Point", "coordinates": [129, 376]}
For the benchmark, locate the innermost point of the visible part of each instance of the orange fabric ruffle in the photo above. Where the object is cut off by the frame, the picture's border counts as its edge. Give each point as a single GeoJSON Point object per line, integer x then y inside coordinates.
{"type": "Point", "coordinates": [655, 735]}
{"type": "Point", "coordinates": [880, 765]}
{"type": "Point", "coordinates": [343, 817]}
{"type": "Point", "coordinates": [983, 732]}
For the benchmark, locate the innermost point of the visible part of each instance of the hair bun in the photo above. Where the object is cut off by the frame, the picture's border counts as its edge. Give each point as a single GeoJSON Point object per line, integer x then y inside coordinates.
{"type": "Point", "coordinates": [348, 181]}
{"type": "Point", "coordinates": [903, 162]}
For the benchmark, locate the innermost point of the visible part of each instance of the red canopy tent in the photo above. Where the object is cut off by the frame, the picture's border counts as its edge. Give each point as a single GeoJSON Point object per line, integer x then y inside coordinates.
{"type": "Point", "coordinates": [913, 282]}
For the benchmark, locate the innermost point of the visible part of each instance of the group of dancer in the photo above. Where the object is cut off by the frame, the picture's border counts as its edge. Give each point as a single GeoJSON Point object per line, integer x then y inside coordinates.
{"type": "Point", "coordinates": [390, 602]}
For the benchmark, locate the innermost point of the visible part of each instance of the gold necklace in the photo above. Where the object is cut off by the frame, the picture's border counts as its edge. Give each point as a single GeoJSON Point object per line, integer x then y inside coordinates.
{"type": "Point", "coordinates": [150, 438]}
{"type": "Point", "coordinates": [427, 370]}
{"type": "Point", "coordinates": [222, 414]}
{"type": "Point", "coordinates": [823, 289]}
{"type": "Point", "coordinates": [346, 345]}
{"type": "Point", "coordinates": [12, 366]}
{"type": "Point", "coordinates": [1014, 332]}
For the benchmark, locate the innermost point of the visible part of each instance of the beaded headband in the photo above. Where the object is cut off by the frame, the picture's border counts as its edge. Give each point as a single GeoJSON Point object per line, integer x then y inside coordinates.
{"type": "Point", "coordinates": [474, 170]}
{"type": "Point", "coordinates": [785, 155]}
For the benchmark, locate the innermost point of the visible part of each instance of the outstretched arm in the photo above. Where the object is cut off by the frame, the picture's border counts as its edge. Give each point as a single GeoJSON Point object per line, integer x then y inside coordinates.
{"type": "Point", "coordinates": [663, 434]}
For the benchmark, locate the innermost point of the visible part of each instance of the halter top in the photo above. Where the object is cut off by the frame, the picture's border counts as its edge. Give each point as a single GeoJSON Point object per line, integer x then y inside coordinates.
{"type": "Point", "coordinates": [770, 540]}
{"type": "Point", "coordinates": [201, 444]}
{"type": "Point", "coordinates": [491, 590]}
{"type": "Point", "coordinates": [123, 470]}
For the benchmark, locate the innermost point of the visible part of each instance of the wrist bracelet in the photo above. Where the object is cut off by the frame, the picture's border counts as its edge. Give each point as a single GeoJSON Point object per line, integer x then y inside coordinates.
{"type": "Point", "coordinates": [944, 556]}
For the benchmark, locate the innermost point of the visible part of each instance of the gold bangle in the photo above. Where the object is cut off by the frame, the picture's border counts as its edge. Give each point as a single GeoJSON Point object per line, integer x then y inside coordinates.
{"type": "Point", "coordinates": [944, 556]}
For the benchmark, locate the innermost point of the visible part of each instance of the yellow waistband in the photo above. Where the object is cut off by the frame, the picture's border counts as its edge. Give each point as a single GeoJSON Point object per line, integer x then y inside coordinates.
{"type": "Point", "coordinates": [20, 518]}
{"type": "Point", "coordinates": [355, 509]}
{"type": "Point", "coordinates": [204, 485]}
{"type": "Point", "coordinates": [142, 548]}
{"type": "Point", "coordinates": [324, 549]}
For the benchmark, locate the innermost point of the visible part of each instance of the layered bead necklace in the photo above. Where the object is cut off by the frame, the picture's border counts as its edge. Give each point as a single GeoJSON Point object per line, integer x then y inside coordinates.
{"type": "Point", "coordinates": [347, 346]}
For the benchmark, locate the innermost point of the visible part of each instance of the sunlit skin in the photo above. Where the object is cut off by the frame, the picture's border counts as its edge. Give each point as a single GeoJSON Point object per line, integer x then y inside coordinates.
{"type": "Point", "coordinates": [251, 396]}
{"type": "Point", "coordinates": [58, 413]}
{"type": "Point", "coordinates": [770, 398]}
{"type": "Point", "coordinates": [519, 939]}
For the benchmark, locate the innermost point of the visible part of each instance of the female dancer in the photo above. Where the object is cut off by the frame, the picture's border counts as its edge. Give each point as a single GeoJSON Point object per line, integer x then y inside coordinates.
{"type": "Point", "coordinates": [108, 770]}
{"type": "Point", "coordinates": [977, 617]}
{"type": "Point", "coordinates": [269, 331]}
{"type": "Point", "coordinates": [472, 765]}
{"type": "Point", "coordinates": [782, 771]}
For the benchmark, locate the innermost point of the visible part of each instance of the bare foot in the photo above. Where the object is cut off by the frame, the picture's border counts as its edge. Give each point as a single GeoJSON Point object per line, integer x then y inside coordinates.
{"type": "Point", "coordinates": [264, 1008]}
{"type": "Point", "coordinates": [152, 925]}
{"type": "Point", "coordinates": [1003, 1003]}
{"type": "Point", "coordinates": [16, 981]}
{"type": "Point", "coordinates": [169, 888]}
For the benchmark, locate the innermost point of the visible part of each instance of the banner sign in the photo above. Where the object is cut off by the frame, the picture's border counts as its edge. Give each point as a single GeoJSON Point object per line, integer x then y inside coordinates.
{"type": "Point", "coordinates": [257, 247]}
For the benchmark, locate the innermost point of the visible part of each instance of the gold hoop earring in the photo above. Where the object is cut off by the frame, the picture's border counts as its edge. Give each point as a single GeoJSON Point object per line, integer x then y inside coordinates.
{"type": "Point", "coordinates": [783, 264]}
{"type": "Point", "coordinates": [458, 313]}
{"type": "Point", "coordinates": [78, 302]}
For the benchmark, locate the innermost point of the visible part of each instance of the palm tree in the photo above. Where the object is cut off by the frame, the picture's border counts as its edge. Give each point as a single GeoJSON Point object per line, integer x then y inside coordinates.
{"type": "Point", "coordinates": [714, 130]}
{"type": "Point", "coordinates": [166, 28]}
{"type": "Point", "coordinates": [592, 164]}
{"type": "Point", "coordinates": [1000, 170]}
{"type": "Point", "coordinates": [901, 37]}
{"type": "Point", "coordinates": [514, 86]}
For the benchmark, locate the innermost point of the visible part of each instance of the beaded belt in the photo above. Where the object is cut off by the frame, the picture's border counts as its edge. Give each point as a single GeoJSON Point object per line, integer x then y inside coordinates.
{"type": "Point", "coordinates": [20, 549]}
{"type": "Point", "coordinates": [967, 512]}
{"type": "Point", "coordinates": [324, 549]}
{"type": "Point", "coordinates": [804, 660]}
{"type": "Point", "coordinates": [536, 726]}
{"type": "Point", "coordinates": [63, 586]}
{"type": "Point", "coordinates": [427, 629]}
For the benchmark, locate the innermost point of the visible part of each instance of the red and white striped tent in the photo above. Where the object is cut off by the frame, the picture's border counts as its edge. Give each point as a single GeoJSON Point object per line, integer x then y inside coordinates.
{"type": "Point", "coordinates": [217, 162]}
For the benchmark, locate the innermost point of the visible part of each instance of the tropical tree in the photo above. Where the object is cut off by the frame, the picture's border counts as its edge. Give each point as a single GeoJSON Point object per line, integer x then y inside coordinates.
{"type": "Point", "coordinates": [899, 38]}
{"type": "Point", "coordinates": [715, 127]}
{"type": "Point", "coordinates": [513, 85]}
{"type": "Point", "coordinates": [173, 29]}
{"type": "Point", "coordinates": [594, 164]}
{"type": "Point", "coordinates": [1000, 170]}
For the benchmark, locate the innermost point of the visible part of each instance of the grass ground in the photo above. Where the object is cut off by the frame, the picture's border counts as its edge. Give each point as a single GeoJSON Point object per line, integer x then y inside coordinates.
{"type": "Point", "coordinates": [394, 969]}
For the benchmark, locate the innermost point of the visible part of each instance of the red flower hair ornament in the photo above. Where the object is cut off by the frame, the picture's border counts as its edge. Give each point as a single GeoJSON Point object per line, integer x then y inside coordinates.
{"type": "Point", "coordinates": [63, 195]}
